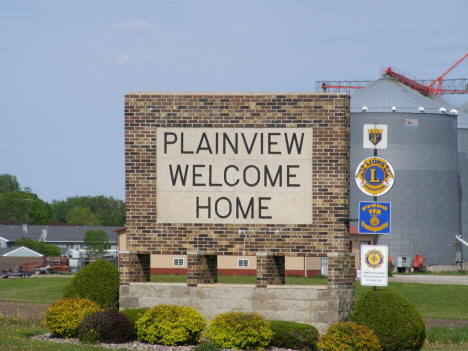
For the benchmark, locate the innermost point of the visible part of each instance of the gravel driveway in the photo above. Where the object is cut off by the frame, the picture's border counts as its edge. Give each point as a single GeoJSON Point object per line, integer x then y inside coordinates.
{"type": "Point", "coordinates": [430, 279]}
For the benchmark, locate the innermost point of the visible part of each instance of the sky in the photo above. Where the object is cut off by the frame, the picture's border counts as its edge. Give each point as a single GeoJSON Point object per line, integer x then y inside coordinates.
{"type": "Point", "coordinates": [65, 66]}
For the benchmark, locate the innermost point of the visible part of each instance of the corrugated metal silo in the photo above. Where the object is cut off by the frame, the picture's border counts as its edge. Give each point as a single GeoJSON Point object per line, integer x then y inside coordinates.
{"type": "Point", "coordinates": [422, 148]}
{"type": "Point", "coordinates": [463, 166]}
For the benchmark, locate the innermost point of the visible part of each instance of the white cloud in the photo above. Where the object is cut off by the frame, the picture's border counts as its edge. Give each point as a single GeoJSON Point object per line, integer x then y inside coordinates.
{"type": "Point", "coordinates": [135, 25]}
{"type": "Point", "coordinates": [124, 59]}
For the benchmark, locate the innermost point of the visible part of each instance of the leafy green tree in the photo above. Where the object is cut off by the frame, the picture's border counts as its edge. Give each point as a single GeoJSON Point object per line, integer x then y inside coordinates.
{"type": "Point", "coordinates": [8, 183]}
{"type": "Point", "coordinates": [49, 250]}
{"type": "Point", "coordinates": [107, 210]}
{"type": "Point", "coordinates": [82, 216]}
{"type": "Point", "coordinates": [21, 207]}
{"type": "Point", "coordinates": [96, 242]}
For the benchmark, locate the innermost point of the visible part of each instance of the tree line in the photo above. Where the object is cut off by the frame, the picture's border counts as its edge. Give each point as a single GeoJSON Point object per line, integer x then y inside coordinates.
{"type": "Point", "coordinates": [20, 205]}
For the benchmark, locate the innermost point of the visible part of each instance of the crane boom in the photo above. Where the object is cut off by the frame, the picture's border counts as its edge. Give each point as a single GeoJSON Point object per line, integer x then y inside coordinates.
{"type": "Point", "coordinates": [425, 87]}
{"type": "Point", "coordinates": [413, 84]}
{"type": "Point", "coordinates": [439, 80]}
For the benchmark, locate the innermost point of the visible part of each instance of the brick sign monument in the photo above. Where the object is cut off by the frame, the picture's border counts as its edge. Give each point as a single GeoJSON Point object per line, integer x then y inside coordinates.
{"type": "Point", "coordinates": [265, 175]}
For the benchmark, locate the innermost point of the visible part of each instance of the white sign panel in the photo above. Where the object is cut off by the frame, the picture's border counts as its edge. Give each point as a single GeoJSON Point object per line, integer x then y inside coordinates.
{"type": "Point", "coordinates": [375, 136]}
{"type": "Point", "coordinates": [234, 175]}
{"type": "Point", "coordinates": [374, 265]}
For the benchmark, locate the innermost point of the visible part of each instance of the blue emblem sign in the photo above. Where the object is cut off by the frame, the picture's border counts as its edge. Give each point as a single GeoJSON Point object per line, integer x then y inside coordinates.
{"type": "Point", "coordinates": [374, 217]}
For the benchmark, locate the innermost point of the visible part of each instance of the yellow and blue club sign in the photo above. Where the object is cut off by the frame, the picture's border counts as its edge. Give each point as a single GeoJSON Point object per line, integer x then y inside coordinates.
{"type": "Point", "coordinates": [374, 176]}
{"type": "Point", "coordinates": [374, 217]}
{"type": "Point", "coordinates": [375, 136]}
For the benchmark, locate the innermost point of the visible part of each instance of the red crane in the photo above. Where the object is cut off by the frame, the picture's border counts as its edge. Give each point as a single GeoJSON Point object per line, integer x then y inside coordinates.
{"type": "Point", "coordinates": [436, 84]}
{"type": "Point", "coordinates": [425, 87]}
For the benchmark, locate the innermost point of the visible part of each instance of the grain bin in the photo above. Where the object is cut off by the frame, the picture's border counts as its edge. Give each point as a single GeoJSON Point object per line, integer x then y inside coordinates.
{"type": "Point", "coordinates": [462, 142]}
{"type": "Point", "coordinates": [422, 148]}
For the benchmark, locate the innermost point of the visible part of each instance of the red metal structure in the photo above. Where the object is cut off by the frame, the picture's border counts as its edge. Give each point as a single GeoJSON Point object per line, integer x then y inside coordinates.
{"type": "Point", "coordinates": [408, 82]}
{"type": "Point", "coordinates": [437, 86]}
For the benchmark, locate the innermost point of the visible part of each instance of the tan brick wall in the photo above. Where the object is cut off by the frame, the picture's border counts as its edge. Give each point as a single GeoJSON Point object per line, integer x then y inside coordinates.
{"type": "Point", "coordinates": [311, 304]}
{"type": "Point", "coordinates": [122, 242]}
{"type": "Point", "coordinates": [326, 114]}
{"type": "Point", "coordinates": [231, 262]}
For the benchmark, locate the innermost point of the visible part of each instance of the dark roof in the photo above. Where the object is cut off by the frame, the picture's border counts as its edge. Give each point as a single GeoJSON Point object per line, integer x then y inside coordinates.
{"type": "Point", "coordinates": [16, 232]}
{"type": "Point", "coordinates": [5, 250]}
{"type": "Point", "coordinates": [55, 233]}
{"type": "Point", "coordinates": [387, 92]}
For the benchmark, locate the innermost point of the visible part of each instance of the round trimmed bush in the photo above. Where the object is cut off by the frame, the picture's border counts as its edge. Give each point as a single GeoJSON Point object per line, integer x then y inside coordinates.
{"type": "Point", "coordinates": [65, 316]}
{"type": "Point", "coordinates": [394, 319]}
{"type": "Point", "coordinates": [293, 335]}
{"type": "Point", "coordinates": [239, 330]}
{"type": "Point", "coordinates": [98, 281]}
{"type": "Point", "coordinates": [108, 327]}
{"type": "Point", "coordinates": [170, 325]}
{"type": "Point", "coordinates": [349, 336]}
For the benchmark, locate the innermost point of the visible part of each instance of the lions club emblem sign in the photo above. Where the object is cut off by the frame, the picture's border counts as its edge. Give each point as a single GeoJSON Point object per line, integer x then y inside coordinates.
{"type": "Point", "coordinates": [374, 176]}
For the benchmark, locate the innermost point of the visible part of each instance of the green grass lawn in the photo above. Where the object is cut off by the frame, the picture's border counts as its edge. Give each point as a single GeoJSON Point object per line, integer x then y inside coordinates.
{"type": "Point", "coordinates": [35, 290]}
{"type": "Point", "coordinates": [15, 335]}
{"type": "Point", "coordinates": [435, 301]}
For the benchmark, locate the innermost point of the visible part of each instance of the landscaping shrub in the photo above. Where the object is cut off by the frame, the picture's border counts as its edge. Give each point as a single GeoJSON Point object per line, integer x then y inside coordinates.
{"type": "Point", "coordinates": [292, 335]}
{"type": "Point", "coordinates": [97, 281]}
{"type": "Point", "coordinates": [349, 336]}
{"type": "Point", "coordinates": [108, 327]}
{"type": "Point", "coordinates": [133, 314]}
{"type": "Point", "coordinates": [65, 316]}
{"type": "Point", "coordinates": [170, 325]}
{"type": "Point", "coordinates": [239, 330]}
{"type": "Point", "coordinates": [394, 319]}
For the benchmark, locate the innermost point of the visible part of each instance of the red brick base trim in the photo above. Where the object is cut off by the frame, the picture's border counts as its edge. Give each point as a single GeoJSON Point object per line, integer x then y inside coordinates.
{"type": "Point", "coordinates": [299, 272]}
{"type": "Point", "coordinates": [168, 270]}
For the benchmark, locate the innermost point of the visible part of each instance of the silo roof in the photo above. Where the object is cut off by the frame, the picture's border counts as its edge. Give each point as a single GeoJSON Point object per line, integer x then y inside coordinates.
{"type": "Point", "coordinates": [462, 118]}
{"type": "Point", "coordinates": [387, 92]}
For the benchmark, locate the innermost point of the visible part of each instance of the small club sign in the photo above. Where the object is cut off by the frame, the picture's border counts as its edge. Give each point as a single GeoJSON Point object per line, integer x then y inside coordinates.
{"type": "Point", "coordinates": [375, 136]}
{"type": "Point", "coordinates": [374, 217]}
{"type": "Point", "coordinates": [374, 265]}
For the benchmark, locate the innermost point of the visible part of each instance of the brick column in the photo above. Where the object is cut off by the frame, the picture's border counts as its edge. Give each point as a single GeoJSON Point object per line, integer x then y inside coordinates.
{"type": "Point", "coordinates": [134, 267]}
{"type": "Point", "coordinates": [270, 269]}
{"type": "Point", "coordinates": [201, 268]}
{"type": "Point", "coordinates": [341, 276]}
